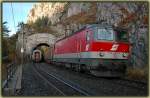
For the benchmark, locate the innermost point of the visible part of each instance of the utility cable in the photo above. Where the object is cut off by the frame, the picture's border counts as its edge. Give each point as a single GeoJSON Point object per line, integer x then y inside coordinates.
{"type": "Point", "coordinates": [13, 16]}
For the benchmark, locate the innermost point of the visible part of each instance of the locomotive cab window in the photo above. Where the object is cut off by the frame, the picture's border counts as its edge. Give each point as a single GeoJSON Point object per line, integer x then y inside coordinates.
{"type": "Point", "coordinates": [105, 34]}
{"type": "Point", "coordinates": [122, 36]}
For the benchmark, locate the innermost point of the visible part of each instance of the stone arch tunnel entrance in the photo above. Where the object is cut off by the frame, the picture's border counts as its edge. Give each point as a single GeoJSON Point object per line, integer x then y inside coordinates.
{"type": "Point", "coordinates": [39, 45]}
{"type": "Point", "coordinates": [34, 41]}
{"type": "Point", "coordinates": [37, 40]}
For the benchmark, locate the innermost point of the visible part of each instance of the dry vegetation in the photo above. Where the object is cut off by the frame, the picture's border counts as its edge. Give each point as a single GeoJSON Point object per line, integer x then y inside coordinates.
{"type": "Point", "coordinates": [137, 73]}
{"type": "Point", "coordinates": [4, 71]}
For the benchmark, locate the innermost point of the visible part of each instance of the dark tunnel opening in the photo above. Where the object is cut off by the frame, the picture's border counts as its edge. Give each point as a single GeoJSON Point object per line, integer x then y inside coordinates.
{"type": "Point", "coordinates": [45, 51]}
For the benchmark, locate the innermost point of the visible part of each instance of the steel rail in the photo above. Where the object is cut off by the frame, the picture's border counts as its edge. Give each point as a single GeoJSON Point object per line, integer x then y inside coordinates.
{"type": "Point", "coordinates": [36, 70]}
{"type": "Point", "coordinates": [73, 87]}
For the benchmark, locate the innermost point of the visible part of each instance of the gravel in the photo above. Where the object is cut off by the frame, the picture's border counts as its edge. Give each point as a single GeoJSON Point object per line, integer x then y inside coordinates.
{"type": "Point", "coordinates": [33, 85]}
{"type": "Point", "coordinates": [96, 85]}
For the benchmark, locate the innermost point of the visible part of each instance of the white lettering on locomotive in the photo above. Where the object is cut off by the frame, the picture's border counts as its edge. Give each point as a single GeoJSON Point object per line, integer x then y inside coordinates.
{"type": "Point", "coordinates": [87, 47]}
{"type": "Point", "coordinates": [114, 47]}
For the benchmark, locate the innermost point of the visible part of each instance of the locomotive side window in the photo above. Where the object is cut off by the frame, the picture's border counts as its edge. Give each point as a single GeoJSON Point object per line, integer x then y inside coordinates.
{"type": "Point", "coordinates": [87, 36]}
{"type": "Point", "coordinates": [105, 34]}
{"type": "Point", "coordinates": [122, 36]}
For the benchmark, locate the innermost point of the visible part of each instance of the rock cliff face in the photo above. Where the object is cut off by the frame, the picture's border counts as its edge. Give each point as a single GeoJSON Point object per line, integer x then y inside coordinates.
{"type": "Point", "coordinates": [45, 9]}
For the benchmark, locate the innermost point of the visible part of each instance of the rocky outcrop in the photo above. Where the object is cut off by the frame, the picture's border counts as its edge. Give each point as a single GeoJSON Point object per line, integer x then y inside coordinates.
{"type": "Point", "coordinates": [46, 9]}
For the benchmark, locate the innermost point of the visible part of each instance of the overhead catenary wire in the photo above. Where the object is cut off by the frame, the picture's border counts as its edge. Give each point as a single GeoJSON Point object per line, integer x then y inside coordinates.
{"type": "Point", "coordinates": [13, 16]}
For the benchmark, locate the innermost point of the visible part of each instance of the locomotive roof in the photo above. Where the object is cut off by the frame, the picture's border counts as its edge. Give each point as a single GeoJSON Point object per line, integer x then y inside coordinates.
{"type": "Point", "coordinates": [85, 27]}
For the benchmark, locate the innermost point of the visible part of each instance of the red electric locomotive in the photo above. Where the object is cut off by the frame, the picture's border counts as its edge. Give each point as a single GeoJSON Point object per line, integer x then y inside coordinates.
{"type": "Point", "coordinates": [100, 49]}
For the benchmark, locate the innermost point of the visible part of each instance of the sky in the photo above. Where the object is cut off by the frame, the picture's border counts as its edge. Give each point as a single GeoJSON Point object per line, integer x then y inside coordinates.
{"type": "Point", "coordinates": [20, 11]}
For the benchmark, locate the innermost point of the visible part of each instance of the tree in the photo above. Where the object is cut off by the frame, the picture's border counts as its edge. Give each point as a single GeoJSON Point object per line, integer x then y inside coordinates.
{"type": "Point", "coordinates": [12, 46]}
{"type": "Point", "coordinates": [20, 26]}
{"type": "Point", "coordinates": [8, 43]}
{"type": "Point", "coordinates": [42, 25]}
{"type": "Point", "coordinates": [5, 30]}
{"type": "Point", "coordinates": [5, 35]}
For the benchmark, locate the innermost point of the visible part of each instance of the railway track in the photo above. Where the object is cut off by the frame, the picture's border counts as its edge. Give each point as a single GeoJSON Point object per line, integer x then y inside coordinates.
{"type": "Point", "coordinates": [63, 88]}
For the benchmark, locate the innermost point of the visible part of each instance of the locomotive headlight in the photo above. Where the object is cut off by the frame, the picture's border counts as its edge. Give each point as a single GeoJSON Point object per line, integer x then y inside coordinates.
{"type": "Point", "coordinates": [101, 54]}
{"type": "Point", "coordinates": [124, 54]}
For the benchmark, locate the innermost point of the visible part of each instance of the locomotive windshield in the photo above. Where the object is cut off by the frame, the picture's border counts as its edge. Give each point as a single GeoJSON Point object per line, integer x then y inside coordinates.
{"type": "Point", "coordinates": [105, 34]}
